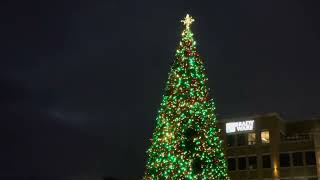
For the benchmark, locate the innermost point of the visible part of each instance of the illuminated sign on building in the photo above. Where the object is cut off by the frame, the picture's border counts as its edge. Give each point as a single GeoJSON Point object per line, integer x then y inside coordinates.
{"type": "Point", "coordinates": [239, 126]}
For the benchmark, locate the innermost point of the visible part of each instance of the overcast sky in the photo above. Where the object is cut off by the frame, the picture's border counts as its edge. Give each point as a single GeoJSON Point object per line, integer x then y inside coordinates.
{"type": "Point", "coordinates": [81, 81]}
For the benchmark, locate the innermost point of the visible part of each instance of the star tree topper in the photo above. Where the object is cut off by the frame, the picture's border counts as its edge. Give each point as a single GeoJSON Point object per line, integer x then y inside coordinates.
{"type": "Point", "coordinates": [187, 21]}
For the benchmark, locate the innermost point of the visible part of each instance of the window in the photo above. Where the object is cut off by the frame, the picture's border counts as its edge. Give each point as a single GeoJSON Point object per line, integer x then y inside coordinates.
{"type": "Point", "coordinates": [232, 164]}
{"type": "Point", "coordinates": [251, 138]}
{"type": "Point", "coordinates": [242, 163]}
{"type": "Point", "coordinates": [313, 178]}
{"type": "Point", "coordinates": [252, 161]}
{"type": "Point", "coordinates": [265, 139]}
{"type": "Point", "coordinates": [241, 139]}
{"type": "Point", "coordinates": [231, 140]}
{"type": "Point", "coordinates": [266, 161]}
{"type": "Point", "coordinates": [310, 158]}
{"type": "Point", "coordinates": [297, 159]}
{"type": "Point", "coordinates": [284, 160]}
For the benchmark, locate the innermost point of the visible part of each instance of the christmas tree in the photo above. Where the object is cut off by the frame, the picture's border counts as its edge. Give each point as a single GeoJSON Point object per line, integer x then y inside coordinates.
{"type": "Point", "coordinates": [186, 142]}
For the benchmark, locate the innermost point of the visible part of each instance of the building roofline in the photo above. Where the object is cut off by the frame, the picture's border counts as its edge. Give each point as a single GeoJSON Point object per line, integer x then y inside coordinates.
{"type": "Point", "coordinates": [251, 117]}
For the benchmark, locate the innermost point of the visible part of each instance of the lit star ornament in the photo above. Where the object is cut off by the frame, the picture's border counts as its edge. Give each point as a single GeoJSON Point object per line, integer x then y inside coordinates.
{"type": "Point", "coordinates": [187, 21]}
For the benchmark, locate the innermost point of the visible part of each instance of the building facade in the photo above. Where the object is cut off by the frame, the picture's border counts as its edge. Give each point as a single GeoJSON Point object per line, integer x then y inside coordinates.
{"type": "Point", "coordinates": [267, 147]}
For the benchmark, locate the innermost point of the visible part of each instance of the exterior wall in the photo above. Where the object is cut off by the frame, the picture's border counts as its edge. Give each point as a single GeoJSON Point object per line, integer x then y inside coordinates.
{"type": "Point", "coordinates": [316, 134]}
{"type": "Point", "coordinates": [279, 143]}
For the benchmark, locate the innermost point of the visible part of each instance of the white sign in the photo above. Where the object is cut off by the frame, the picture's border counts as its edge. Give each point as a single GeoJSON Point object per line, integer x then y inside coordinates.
{"type": "Point", "coordinates": [239, 126]}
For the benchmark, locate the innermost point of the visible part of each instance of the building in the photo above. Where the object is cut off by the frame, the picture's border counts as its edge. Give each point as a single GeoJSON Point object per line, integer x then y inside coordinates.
{"type": "Point", "coordinates": [267, 147]}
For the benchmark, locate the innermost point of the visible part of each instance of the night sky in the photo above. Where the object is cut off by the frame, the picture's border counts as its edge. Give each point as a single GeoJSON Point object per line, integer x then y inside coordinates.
{"type": "Point", "coordinates": [81, 81]}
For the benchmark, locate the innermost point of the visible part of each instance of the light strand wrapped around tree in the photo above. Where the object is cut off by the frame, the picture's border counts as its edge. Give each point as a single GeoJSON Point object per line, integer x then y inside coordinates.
{"type": "Point", "coordinates": [186, 143]}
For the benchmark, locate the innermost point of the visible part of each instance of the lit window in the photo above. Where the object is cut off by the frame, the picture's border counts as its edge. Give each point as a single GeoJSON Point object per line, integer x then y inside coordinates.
{"type": "Point", "coordinates": [251, 138]}
{"type": "Point", "coordinates": [265, 139]}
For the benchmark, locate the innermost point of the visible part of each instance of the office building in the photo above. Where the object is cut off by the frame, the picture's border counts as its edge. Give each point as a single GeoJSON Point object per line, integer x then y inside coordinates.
{"type": "Point", "coordinates": [268, 147]}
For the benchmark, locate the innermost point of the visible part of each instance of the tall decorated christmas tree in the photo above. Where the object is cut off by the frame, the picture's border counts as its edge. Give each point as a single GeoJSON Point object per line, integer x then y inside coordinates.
{"type": "Point", "coordinates": [186, 143]}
